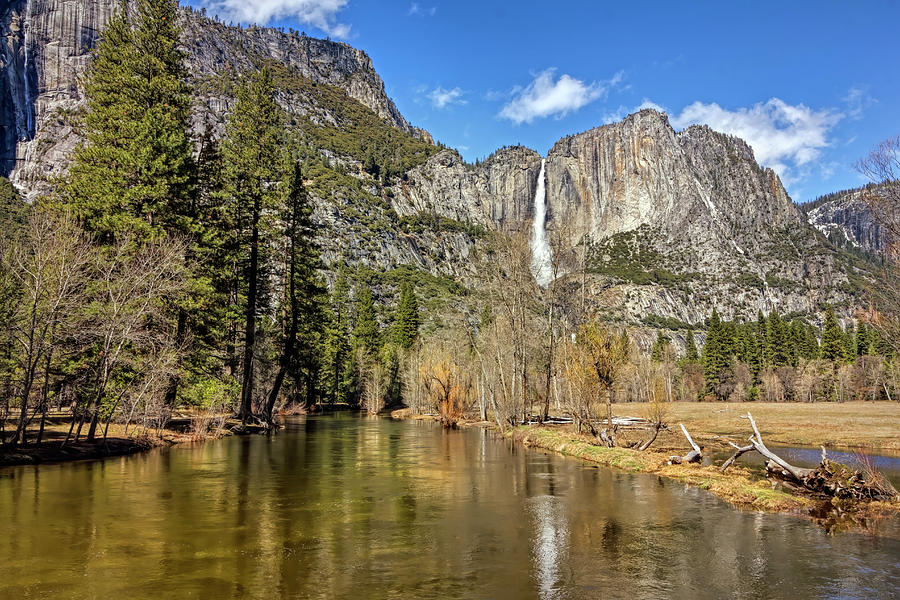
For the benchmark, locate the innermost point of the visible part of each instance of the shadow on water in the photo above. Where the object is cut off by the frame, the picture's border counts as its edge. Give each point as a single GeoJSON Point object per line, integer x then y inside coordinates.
{"type": "Point", "coordinates": [349, 506]}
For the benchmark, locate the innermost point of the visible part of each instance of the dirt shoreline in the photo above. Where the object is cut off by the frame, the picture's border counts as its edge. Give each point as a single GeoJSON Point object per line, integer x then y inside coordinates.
{"type": "Point", "coordinates": [118, 443]}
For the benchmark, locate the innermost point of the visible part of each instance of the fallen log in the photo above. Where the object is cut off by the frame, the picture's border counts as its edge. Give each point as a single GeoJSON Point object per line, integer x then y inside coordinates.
{"type": "Point", "coordinates": [656, 427]}
{"type": "Point", "coordinates": [788, 471]}
{"type": "Point", "coordinates": [694, 456]}
{"type": "Point", "coordinates": [829, 479]}
{"type": "Point", "coordinates": [741, 450]}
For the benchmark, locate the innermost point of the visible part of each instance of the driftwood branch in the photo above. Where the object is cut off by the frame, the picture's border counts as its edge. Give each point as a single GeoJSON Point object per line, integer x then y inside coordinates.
{"type": "Point", "coordinates": [740, 451]}
{"type": "Point", "coordinates": [694, 456]}
{"type": "Point", "coordinates": [789, 470]}
{"type": "Point", "coordinates": [830, 479]}
{"type": "Point", "coordinates": [656, 427]}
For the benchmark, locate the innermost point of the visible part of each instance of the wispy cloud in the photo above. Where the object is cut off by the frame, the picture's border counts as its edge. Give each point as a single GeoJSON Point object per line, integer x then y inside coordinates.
{"type": "Point", "coordinates": [441, 98]}
{"type": "Point", "coordinates": [857, 101]}
{"type": "Point", "coordinates": [783, 136]}
{"type": "Point", "coordinates": [417, 10]}
{"type": "Point", "coordinates": [321, 14]}
{"type": "Point", "coordinates": [548, 96]}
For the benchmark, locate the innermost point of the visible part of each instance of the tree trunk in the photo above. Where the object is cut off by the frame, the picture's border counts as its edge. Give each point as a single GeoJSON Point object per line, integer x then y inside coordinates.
{"type": "Point", "coordinates": [648, 443]}
{"type": "Point", "coordinates": [246, 410]}
{"type": "Point", "coordinates": [740, 451]}
{"type": "Point", "coordinates": [174, 380]}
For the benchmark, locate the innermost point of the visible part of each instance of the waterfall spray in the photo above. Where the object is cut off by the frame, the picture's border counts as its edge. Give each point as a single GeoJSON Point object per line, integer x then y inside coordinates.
{"type": "Point", "coordinates": [541, 257]}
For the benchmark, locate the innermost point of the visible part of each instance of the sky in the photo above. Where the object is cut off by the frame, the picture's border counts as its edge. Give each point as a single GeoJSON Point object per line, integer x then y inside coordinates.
{"type": "Point", "coordinates": [812, 86]}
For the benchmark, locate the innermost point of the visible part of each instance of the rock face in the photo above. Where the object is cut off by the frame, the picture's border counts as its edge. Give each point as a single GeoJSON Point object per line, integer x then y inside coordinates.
{"type": "Point", "coordinates": [694, 204]}
{"type": "Point", "coordinates": [676, 222]}
{"type": "Point", "coordinates": [48, 48]}
{"type": "Point", "coordinates": [496, 193]}
{"type": "Point", "coordinates": [672, 223]}
{"type": "Point", "coordinates": [61, 35]}
{"type": "Point", "coordinates": [846, 219]}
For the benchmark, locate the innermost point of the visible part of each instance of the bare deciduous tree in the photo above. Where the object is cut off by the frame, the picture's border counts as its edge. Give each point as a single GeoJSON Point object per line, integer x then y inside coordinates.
{"type": "Point", "coordinates": [49, 269]}
{"type": "Point", "coordinates": [126, 318]}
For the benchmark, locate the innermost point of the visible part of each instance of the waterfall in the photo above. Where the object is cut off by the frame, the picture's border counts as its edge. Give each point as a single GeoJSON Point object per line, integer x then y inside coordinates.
{"type": "Point", "coordinates": [29, 107]}
{"type": "Point", "coordinates": [541, 263]}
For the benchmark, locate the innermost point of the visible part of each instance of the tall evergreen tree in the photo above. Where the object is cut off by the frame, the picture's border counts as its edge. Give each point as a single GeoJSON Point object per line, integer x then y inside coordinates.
{"type": "Point", "coordinates": [406, 327]}
{"type": "Point", "coordinates": [366, 333]}
{"type": "Point", "coordinates": [302, 294]}
{"type": "Point", "coordinates": [810, 343]}
{"type": "Point", "coordinates": [135, 172]}
{"type": "Point", "coordinates": [832, 338]}
{"type": "Point", "coordinates": [864, 344]}
{"type": "Point", "coordinates": [135, 175]}
{"type": "Point", "coordinates": [849, 341]}
{"type": "Point", "coordinates": [251, 165]}
{"type": "Point", "coordinates": [691, 353]}
{"type": "Point", "coordinates": [337, 363]}
{"type": "Point", "coordinates": [658, 352]}
{"type": "Point", "coordinates": [776, 336]}
{"type": "Point", "coordinates": [796, 339]}
{"type": "Point", "coordinates": [716, 357]}
{"type": "Point", "coordinates": [762, 340]}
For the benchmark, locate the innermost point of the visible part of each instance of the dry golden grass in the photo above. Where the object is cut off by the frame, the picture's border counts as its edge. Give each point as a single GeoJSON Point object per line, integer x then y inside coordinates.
{"type": "Point", "coordinates": [873, 426]}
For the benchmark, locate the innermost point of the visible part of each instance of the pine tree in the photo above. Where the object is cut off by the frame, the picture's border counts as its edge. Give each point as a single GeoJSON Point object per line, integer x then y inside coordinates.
{"type": "Point", "coordinates": [658, 352]}
{"type": "Point", "coordinates": [251, 166]}
{"type": "Point", "coordinates": [863, 340]}
{"type": "Point", "coordinates": [832, 338]}
{"type": "Point", "coordinates": [716, 358]}
{"type": "Point", "coordinates": [365, 330]}
{"type": "Point", "coordinates": [134, 173]}
{"type": "Point", "coordinates": [406, 327]}
{"type": "Point", "coordinates": [776, 337]}
{"type": "Point", "coordinates": [849, 342]}
{"type": "Point", "coordinates": [691, 353]}
{"type": "Point", "coordinates": [337, 350]}
{"type": "Point", "coordinates": [796, 339]}
{"type": "Point", "coordinates": [303, 291]}
{"type": "Point", "coordinates": [762, 341]}
{"type": "Point", "coordinates": [810, 343]}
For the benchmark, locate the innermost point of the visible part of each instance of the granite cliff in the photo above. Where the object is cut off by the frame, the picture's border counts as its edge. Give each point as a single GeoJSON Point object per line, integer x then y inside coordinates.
{"type": "Point", "coordinates": [47, 45]}
{"type": "Point", "coordinates": [672, 223]}
{"type": "Point", "coordinates": [846, 219]}
{"type": "Point", "coordinates": [675, 222]}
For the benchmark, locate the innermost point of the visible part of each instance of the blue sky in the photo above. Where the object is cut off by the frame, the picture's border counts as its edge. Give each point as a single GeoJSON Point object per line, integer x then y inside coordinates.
{"type": "Point", "coordinates": [811, 85]}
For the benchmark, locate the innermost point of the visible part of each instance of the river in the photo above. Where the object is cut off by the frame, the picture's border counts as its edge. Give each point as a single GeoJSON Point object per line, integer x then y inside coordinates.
{"type": "Point", "coordinates": [346, 506]}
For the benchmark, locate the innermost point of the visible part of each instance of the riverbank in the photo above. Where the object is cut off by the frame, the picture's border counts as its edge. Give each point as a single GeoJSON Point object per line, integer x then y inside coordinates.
{"type": "Point", "coordinates": [119, 442]}
{"type": "Point", "coordinates": [742, 487]}
{"type": "Point", "coordinates": [868, 426]}
{"type": "Point", "coordinates": [183, 428]}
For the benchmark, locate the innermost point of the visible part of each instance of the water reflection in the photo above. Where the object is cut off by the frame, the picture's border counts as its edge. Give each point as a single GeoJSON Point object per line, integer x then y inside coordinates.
{"type": "Point", "coordinates": [357, 507]}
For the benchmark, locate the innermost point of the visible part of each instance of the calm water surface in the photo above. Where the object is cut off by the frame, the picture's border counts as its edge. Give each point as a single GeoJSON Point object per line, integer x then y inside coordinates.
{"type": "Point", "coordinates": [354, 507]}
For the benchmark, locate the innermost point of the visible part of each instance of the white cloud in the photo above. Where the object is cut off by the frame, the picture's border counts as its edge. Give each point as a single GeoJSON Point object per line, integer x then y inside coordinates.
{"type": "Point", "coordinates": [321, 14]}
{"type": "Point", "coordinates": [546, 96]}
{"type": "Point", "coordinates": [857, 101]}
{"type": "Point", "coordinates": [416, 10]}
{"type": "Point", "coordinates": [441, 98]}
{"type": "Point", "coordinates": [783, 136]}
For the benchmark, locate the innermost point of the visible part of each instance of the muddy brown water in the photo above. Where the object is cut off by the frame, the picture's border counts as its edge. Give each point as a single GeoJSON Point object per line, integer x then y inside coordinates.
{"type": "Point", "coordinates": [344, 506]}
